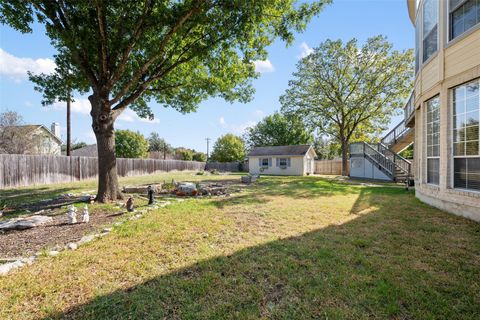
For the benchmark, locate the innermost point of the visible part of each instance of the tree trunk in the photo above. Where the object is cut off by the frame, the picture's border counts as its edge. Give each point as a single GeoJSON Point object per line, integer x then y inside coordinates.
{"type": "Point", "coordinates": [102, 124]}
{"type": "Point", "coordinates": [344, 158]}
{"type": "Point", "coordinates": [69, 129]}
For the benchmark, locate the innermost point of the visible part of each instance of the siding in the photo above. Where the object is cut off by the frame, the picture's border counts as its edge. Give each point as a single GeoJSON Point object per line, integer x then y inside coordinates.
{"type": "Point", "coordinates": [462, 55]}
{"type": "Point", "coordinates": [296, 166]}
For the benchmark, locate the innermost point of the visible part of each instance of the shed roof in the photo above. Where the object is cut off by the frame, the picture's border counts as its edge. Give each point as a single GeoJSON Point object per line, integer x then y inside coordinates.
{"type": "Point", "coordinates": [297, 150]}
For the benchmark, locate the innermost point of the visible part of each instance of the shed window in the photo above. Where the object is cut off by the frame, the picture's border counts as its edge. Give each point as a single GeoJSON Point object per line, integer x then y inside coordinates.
{"type": "Point", "coordinates": [265, 162]}
{"type": "Point", "coordinates": [283, 162]}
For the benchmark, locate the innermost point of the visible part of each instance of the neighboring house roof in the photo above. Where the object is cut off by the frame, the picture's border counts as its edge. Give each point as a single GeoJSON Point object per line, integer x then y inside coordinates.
{"type": "Point", "coordinates": [34, 127]}
{"type": "Point", "coordinates": [298, 150]}
{"type": "Point", "coordinates": [87, 151]}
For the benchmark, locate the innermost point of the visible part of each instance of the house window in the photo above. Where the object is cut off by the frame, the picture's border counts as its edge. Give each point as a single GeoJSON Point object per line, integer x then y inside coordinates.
{"type": "Point", "coordinates": [466, 136]}
{"type": "Point", "coordinates": [283, 162]}
{"type": "Point", "coordinates": [433, 140]}
{"type": "Point", "coordinates": [430, 29]}
{"type": "Point", "coordinates": [464, 14]}
{"type": "Point", "coordinates": [264, 162]}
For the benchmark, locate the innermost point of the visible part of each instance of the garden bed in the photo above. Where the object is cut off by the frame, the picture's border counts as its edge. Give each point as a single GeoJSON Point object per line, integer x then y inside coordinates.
{"type": "Point", "coordinates": [55, 234]}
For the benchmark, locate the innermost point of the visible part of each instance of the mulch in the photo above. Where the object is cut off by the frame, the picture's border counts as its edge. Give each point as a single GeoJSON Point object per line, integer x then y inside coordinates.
{"type": "Point", "coordinates": [23, 243]}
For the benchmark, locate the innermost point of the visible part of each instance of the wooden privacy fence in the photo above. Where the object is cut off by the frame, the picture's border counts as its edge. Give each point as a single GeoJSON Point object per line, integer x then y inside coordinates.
{"type": "Point", "coordinates": [226, 166]}
{"type": "Point", "coordinates": [328, 167]}
{"type": "Point", "coordinates": [22, 170]}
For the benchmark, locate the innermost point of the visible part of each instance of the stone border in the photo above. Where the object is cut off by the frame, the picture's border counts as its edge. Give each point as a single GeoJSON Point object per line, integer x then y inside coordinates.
{"type": "Point", "coordinates": [6, 268]}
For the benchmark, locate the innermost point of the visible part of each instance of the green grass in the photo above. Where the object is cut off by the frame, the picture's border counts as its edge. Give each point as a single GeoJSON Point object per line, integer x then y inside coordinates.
{"type": "Point", "coordinates": [288, 248]}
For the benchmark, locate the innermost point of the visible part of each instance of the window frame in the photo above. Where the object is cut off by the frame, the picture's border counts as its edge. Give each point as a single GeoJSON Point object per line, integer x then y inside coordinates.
{"type": "Point", "coordinates": [427, 157]}
{"type": "Point", "coordinates": [452, 140]}
{"type": "Point", "coordinates": [436, 28]}
{"type": "Point", "coordinates": [450, 12]}
{"type": "Point", "coordinates": [263, 163]}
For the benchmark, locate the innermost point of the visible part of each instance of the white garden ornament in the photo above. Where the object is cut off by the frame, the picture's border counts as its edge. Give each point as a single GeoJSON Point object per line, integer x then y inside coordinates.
{"type": "Point", "coordinates": [72, 215]}
{"type": "Point", "coordinates": [86, 215]}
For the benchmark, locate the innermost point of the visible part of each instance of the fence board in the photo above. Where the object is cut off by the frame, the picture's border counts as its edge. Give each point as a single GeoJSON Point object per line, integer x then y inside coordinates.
{"type": "Point", "coordinates": [333, 167]}
{"type": "Point", "coordinates": [225, 166]}
{"type": "Point", "coordinates": [22, 170]}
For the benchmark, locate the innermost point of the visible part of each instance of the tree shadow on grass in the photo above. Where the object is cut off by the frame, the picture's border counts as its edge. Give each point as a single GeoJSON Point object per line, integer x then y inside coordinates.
{"type": "Point", "coordinates": [402, 264]}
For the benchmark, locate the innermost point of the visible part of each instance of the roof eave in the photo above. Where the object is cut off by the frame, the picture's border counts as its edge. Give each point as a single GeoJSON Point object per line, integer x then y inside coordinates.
{"type": "Point", "coordinates": [412, 8]}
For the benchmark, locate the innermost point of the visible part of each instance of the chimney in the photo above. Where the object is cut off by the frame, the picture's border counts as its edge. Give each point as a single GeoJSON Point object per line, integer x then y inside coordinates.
{"type": "Point", "coordinates": [55, 128]}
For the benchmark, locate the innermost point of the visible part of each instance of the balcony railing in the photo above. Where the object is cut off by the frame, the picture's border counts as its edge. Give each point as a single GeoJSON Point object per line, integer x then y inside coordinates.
{"type": "Point", "coordinates": [409, 108]}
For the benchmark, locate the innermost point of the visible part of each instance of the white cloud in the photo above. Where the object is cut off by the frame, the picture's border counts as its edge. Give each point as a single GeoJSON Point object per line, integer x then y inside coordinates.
{"type": "Point", "coordinates": [237, 129]}
{"type": "Point", "coordinates": [80, 105]}
{"type": "Point", "coordinates": [130, 116]}
{"type": "Point", "coordinates": [263, 66]}
{"type": "Point", "coordinates": [222, 122]}
{"type": "Point", "coordinates": [16, 68]}
{"type": "Point", "coordinates": [240, 128]}
{"type": "Point", "coordinates": [305, 50]}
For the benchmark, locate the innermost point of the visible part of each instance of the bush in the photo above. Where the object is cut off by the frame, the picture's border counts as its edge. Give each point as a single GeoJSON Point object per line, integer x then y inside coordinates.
{"type": "Point", "coordinates": [129, 144]}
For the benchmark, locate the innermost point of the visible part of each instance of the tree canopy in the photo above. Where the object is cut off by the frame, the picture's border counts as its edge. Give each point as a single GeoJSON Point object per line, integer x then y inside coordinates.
{"type": "Point", "coordinates": [16, 138]}
{"type": "Point", "coordinates": [184, 154]}
{"type": "Point", "coordinates": [157, 144]}
{"type": "Point", "coordinates": [228, 148]}
{"type": "Point", "coordinates": [342, 90]}
{"type": "Point", "coordinates": [278, 130]}
{"type": "Point", "coordinates": [178, 53]}
{"type": "Point", "coordinates": [199, 156]}
{"type": "Point", "coordinates": [130, 144]}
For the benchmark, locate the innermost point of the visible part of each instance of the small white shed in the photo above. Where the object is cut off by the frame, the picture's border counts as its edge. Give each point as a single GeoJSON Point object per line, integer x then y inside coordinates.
{"type": "Point", "coordinates": [295, 160]}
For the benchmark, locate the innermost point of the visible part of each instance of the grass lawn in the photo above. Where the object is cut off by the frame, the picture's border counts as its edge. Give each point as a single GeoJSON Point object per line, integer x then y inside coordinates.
{"type": "Point", "coordinates": [287, 248]}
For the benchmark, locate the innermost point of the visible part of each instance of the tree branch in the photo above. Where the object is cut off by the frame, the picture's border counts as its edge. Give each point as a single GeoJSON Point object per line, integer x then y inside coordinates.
{"type": "Point", "coordinates": [126, 88]}
{"type": "Point", "coordinates": [102, 42]}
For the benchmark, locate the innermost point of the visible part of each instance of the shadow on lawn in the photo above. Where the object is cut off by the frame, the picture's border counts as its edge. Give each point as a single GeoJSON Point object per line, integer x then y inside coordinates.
{"type": "Point", "coordinates": [402, 264]}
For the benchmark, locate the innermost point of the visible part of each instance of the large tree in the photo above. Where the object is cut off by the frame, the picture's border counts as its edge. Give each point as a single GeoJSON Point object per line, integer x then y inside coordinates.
{"type": "Point", "coordinates": [342, 89]}
{"type": "Point", "coordinates": [176, 52]}
{"type": "Point", "coordinates": [228, 148]}
{"type": "Point", "coordinates": [158, 144]}
{"type": "Point", "coordinates": [278, 130]}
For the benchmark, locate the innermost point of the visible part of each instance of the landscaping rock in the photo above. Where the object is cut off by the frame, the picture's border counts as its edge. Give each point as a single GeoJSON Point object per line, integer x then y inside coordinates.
{"type": "Point", "coordinates": [249, 179]}
{"type": "Point", "coordinates": [142, 189]}
{"type": "Point", "coordinates": [7, 267]}
{"type": "Point", "coordinates": [106, 230]}
{"type": "Point", "coordinates": [186, 189]}
{"type": "Point", "coordinates": [72, 246]}
{"type": "Point", "coordinates": [86, 239]}
{"type": "Point", "coordinates": [24, 223]}
{"type": "Point", "coordinates": [53, 253]}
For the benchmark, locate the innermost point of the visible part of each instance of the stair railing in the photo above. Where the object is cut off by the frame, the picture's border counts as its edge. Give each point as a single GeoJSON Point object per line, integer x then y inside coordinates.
{"type": "Point", "coordinates": [378, 158]}
{"type": "Point", "coordinates": [400, 162]}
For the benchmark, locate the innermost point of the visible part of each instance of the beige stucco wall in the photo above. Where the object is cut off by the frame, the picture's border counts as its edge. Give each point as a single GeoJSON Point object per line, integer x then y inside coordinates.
{"type": "Point", "coordinates": [455, 63]}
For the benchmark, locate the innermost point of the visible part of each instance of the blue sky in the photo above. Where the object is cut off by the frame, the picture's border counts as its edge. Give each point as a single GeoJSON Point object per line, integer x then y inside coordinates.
{"type": "Point", "coordinates": [344, 19]}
